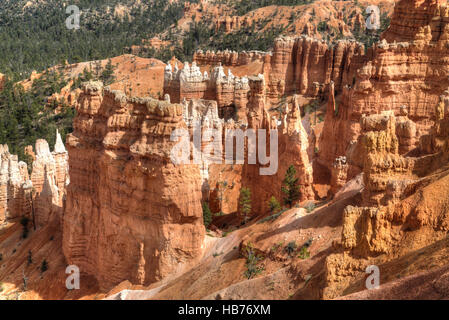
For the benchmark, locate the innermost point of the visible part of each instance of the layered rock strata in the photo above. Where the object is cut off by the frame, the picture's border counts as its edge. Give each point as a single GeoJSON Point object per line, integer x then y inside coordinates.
{"type": "Point", "coordinates": [306, 66]}
{"type": "Point", "coordinates": [49, 179]}
{"type": "Point", "coordinates": [40, 196]}
{"type": "Point", "coordinates": [229, 91]}
{"type": "Point", "coordinates": [291, 150]}
{"type": "Point", "coordinates": [406, 72]}
{"type": "Point", "coordinates": [15, 187]}
{"type": "Point", "coordinates": [227, 58]}
{"type": "Point", "coordinates": [131, 214]}
{"type": "Point", "coordinates": [404, 202]}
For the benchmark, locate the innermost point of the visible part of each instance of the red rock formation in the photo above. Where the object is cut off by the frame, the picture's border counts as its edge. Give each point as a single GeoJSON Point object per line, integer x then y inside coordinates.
{"type": "Point", "coordinates": [306, 66]}
{"type": "Point", "coordinates": [144, 212]}
{"type": "Point", "coordinates": [232, 23]}
{"type": "Point", "coordinates": [404, 203]}
{"type": "Point", "coordinates": [15, 187]}
{"type": "Point", "coordinates": [40, 196]}
{"type": "Point", "coordinates": [292, 150]}
{"type": "Point", "coordinates": [49, 179]}
{"type": "Point", "coordinates": [410, 17]}
{"type": "Point", "coordinates": [383, 167]}
{"type": "Point", "coordinates": [227, 58]}
{"type": "Point", "coordinates": [406, 69]}
{"type": "Point", "coordinates": [229, 91]}
{"type": "Point", "coordinates": [339, 174]}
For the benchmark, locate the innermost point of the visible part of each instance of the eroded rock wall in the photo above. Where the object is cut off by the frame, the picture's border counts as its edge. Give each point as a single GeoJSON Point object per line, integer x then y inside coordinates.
{"type": "Point", "coordinates": [189, 83]}
{"type": "Point", "coordinates": [227, 58]}
{"type": "Point", "coordinates": [306, 66]}
{"type": "Point", "coordinates": [39, 197]}
{"type": "Point", "coordinates": [406, 72]}
{"type": "Point", "coordinates": [49, 179]}
{"type": "Point", "coordinates": [15, 187]}
{"type": "Point", "coordinates": [131, 214]}
{"type": "Point", "coordinates": [404, 203]}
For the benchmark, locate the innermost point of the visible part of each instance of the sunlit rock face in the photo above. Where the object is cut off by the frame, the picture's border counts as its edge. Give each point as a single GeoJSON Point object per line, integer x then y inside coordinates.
{"type": "Point", "coordinates": [406, 72]}
{"type": "Point", "coordinates": [131, 214]}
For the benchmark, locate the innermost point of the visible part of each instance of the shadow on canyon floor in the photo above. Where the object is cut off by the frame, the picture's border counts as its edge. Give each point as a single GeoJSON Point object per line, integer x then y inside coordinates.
{"type": "Point", "coordinates": [17, 263]}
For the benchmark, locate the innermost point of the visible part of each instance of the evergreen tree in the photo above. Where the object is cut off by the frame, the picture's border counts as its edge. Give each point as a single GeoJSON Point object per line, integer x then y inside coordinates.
{"type": "Point", "coordinates": [207, 215]}
{"type": "Point", "coordinates": [274, 205]}
{"type": "Point", "coordinates": [290, 187]}
{"type": "Point", "coordinates": [245, 203]}
{"type": "Point", "coordinates": [107, 76]}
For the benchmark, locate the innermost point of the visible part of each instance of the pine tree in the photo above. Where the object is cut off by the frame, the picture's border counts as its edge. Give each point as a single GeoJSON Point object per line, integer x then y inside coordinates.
{"type": "Point", "coordinates": [274, 205]}
{"type": "Point", "coordinates": [245, 203]}
{"type": "Point", "coordinates": [290, 187]}
{"type": "Point", "coordinates": [107, 76]}
{"type": "Point", "coordinates": [207, 215]}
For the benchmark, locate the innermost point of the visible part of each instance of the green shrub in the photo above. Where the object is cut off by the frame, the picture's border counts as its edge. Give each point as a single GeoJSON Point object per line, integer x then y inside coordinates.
{"type": "Point", "coordinates": [272, 217]}
{"type": "Point", "coordinates": [252, 269]}
{"type": "Point", "coordinates": [29, 258]}
{"type": "Point", "coordinates": [322, 26]}
{"type": "Point", "coordinates": [228, 232]}
{"type": "Point", "coordinates": [310, 207]}
{"type": "Point", "coordinates": [304, 253]}
{"type": "Point", "coordinates": [291, 247]}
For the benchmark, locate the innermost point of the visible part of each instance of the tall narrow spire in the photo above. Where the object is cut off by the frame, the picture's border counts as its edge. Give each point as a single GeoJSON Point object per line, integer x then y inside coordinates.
{"type": "Point", "coordinates": [59, 145]}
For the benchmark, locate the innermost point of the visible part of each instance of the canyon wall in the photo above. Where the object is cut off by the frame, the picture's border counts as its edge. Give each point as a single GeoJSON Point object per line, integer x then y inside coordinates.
{"type": "Point", "coordinates": [229, 91]}
{"type": "Point", "coordinates": [131, 214]}
{"type": "Point", "coordinates": [227, 58]}
{"type": "Point", "coordinates": [243, 103]}
{"type": "Point", "coordinates": [15, 187]}
{"type": "Point", "coordinates": [49, 179]}
{"type": "Point", "coordinates": [406, 72]}
{"type": "Point", "coordinates": [301, 65]}
{"type": "Point", "coordinates": [40, 196]}
{"type": "Point", "coordinates": [306, 66]}
{"type": "Point", "coordinates": [403, 205]}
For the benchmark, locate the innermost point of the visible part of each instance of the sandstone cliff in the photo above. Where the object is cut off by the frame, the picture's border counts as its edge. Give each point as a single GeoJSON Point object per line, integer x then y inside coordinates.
{"type": "Point", "coordinates": [49, 178]}
{"type": "Point", "coordinates": [131, 214]}
{"type": "Point", "coordinates": [406, 72]}
{"type": "Point", "coordinates": [15, 187]}
{"type": "Point", "coordinates": [306, 66]}
{"type": "Point", "coordinates": [227, 58]}
{"type": "Point", "coordinates": [40, 196]}
{"type": "Point", "coordinates": [403, 208]}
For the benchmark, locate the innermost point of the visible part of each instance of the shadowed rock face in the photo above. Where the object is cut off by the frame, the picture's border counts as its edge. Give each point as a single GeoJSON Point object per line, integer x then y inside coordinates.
{"type": "Point", "coordinates": [130, 213]}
